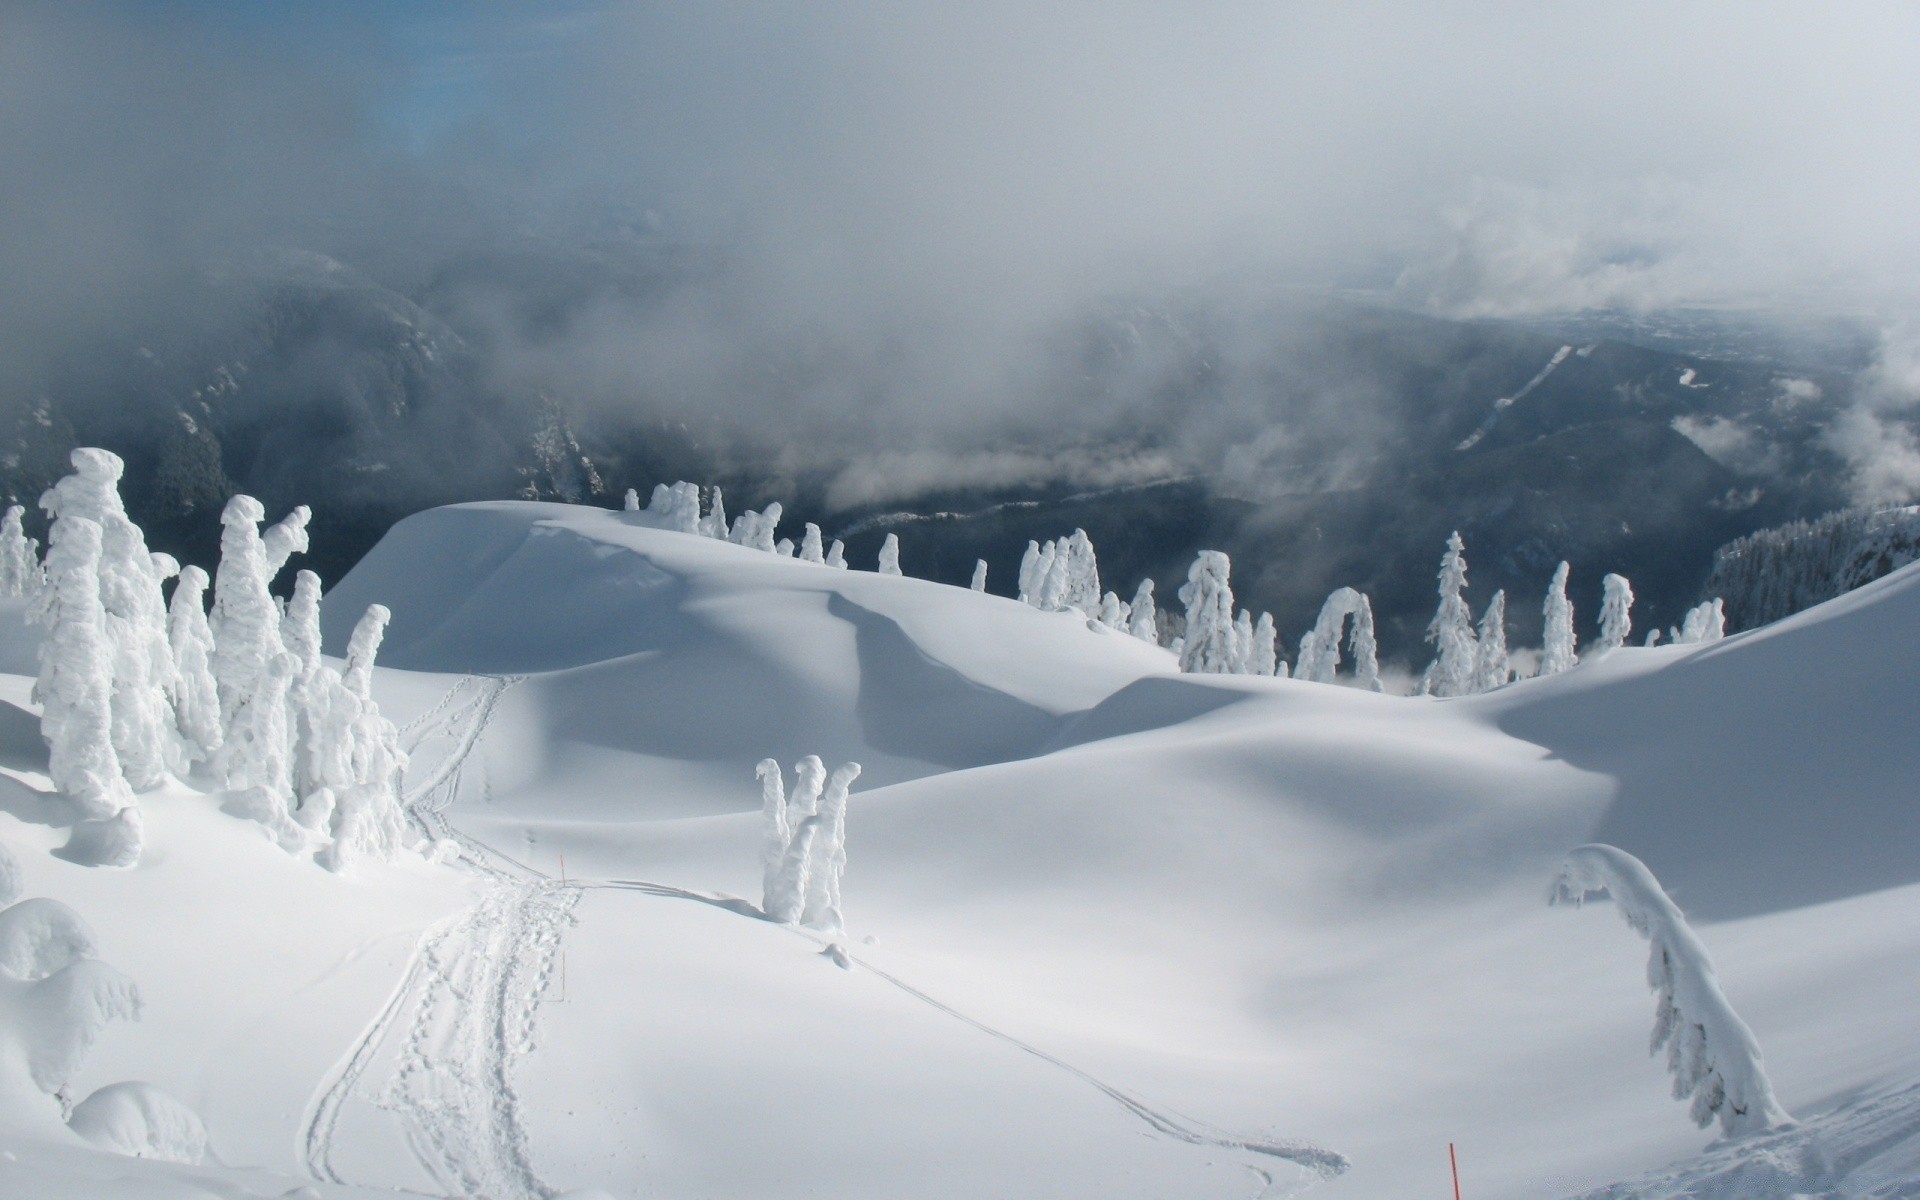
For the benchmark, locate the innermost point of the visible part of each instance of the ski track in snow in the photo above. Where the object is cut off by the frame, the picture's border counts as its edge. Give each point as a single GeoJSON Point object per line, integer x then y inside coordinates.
{"type": "Point", "coordinates": [1323, 1163]}
{"type": "Point", "coordinates": [473, 990]}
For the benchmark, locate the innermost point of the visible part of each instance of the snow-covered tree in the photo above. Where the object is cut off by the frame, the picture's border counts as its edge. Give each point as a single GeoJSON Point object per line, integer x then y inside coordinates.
{"type": "Point", "coordinates": [257, 756]}
{"type": "Point", "coordinates": [1491, 666]}
{"type": "Point", "coordinates": [1243, 643]}
{"type": "Point", "coordinates": [784, 547]}
{"type": "Point", "coordinates": [136, 612]}
{"type": "Point", "coordinates": [632, 503]}
{"type": "Point", "coordinates": [1113, 612]}
{"type": "Point", "coordinates": [714, 524]}
{"type": "Point", "coordinates": [755, 530]}
{"type": "Point", "coordinates": [890, 555]}
{"type": "Point", "coordinates": [1208, 646]}
{"type": "Point", "coordinates": [245, 621]}
{"type": "Point", "coordinates": [979, 583]}
{"type": "Point", "coordinates": [1349, 611]}
{"type": "Point", "coordinates": [361, 759]}
{"type": "Point", "coordinates": [195, 696]}
{"type": "Point", "coordinates": [1559, 653]}
{"type": "Point", "coordinates": [677, 507]}
{"type": "Point", "coordinates": [1143, 619]}
{"type": "Point", "coordinates": [1616, 613]}
{"type": "Point", "coordinates": [284, 539]}
{"type": "Point", "coordinates": [1080, 572]}
{"type": "Point", "coordinates": [20, 573]}
{"type": "Point", "coordinates": [810, 550]}
{"type": "Point", "coordinates": [1451, 630]}
{"type": "Point", "coordinates": [75, 687]}
{"type": "Point", "coordinates": [1711, 1053]}
{"type": "Point", "coordinates": [822, 908]}
{"type": "Point", "coordinates": [837, 555]}
{"type": "Point", "coordinates": [1704, 622]}
{"type": "Point", "coordinates": [1265, 659]}
{"type": "Point", "coordinates": [803, 842]}
{"type": "Point", "coordinates": [1031, 573]}
{"type": "Point", "coordinates": [300, 634]}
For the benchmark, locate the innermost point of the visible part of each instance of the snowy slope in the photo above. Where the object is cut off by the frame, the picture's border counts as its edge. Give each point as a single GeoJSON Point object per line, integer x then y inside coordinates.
{"type": "Point", "coordinates": [1114, 931]}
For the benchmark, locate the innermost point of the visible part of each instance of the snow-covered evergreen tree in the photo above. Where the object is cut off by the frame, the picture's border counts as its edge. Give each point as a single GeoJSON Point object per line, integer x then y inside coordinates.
{"type": "Point", "coordinates": [837, 555]}
{"type": "Point", "coordinates": [1559, 653]}
{"type": "Point", "coordinates": [284, 539]}
{"type": "Point", "coordinates": [75, 687]}
{"type": "Point", "coordinates": [775, 831]}
{"type": "Point", "coordinates": [1491, 667]}
{"type": "Point", "coordinates": [1208, 646]}
{"type": "Point", "coordinates": [1143, 619]}
{"type": "Point", "coordinates": [136, 620]}
{"type": "Point", "coordinates": [810, 550]}
{"type": "Point", "coordinates": [1266, 646]}
{"type": "Point", "coordinates": [1704, 622]}
{"type": "Point", "coordinates": [677, 507]}
{"type": "Point", "coordinates": [362, 761]}
{"type": "Point", "coordinates": [784, 547]}
{"type": "Point", "coordinates": [979, 583]}
{"type": "Point", "coordinates": [300, 634]}
{"type": "Point", "coordinates": [1451, 630]}
{"type": "Point", "coordinates": [632, 503]}
{"type": "Point", "coordinates": [256, 760]}
{"type": "Point", "coordinates": [1031, 573]}
{"type": "Point", "coordinates": [20, 573]}
{"type": "Point", "coordinates": [1080, 574]}
{"type": "Point", "coordinates": [1616, 613]}
{"type": "Point", "coordinates": [829, 852]}
{"type": "Point", "coordinates": [245, 621]}
{"type": "Point", "coordinates": [1711, 1053]}
{"type": "Point", "coordinates": [1242, 644]}
{"type": "Point", "coordinates": [1346, 611]}
{"type": "Point", "coordinates": [714, 524]}
{"type": "Point", "coordinates": [1777, 572]}
{"type": "Point", "coordinates": [890, 555]}
{"type": "Point", "coordinates": [1113, 612]}
{"type": "Point", "coordinates": [195, 696]}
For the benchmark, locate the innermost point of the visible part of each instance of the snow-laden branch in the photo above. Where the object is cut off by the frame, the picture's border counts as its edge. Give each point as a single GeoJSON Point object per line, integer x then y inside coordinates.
{"type": "Point", "coordinates": [1710, 1051]}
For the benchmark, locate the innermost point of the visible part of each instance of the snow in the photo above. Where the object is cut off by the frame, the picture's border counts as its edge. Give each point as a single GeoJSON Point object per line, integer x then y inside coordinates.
{"type": "Point", "coordinates": [1114, 931]}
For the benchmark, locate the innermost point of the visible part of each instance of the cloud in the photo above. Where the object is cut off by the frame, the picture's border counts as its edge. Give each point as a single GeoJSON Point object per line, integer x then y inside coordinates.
{"type": "Point", "coordinates": [1878, 434]}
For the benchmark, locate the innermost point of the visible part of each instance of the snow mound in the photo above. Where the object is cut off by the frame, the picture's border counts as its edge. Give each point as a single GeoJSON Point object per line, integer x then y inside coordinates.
{"type": "Point", "coordinates": [40, 936]}
{"type": "Point", "coordinates": [140, 1120]}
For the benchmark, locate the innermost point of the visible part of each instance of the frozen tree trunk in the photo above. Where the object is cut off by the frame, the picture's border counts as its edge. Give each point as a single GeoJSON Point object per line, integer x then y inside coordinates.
{"type": "Point", "coordinates": [245, 621]}
{"type": "Point", "coordinates": [1558, 654]}
{"type": "Point", "coordinates": [1491, 667]}
{"type": "Point", "coordinates": [196, 698]}
{"type": "Point", "coordinates": [20, 573]}
{"type": "Point", "coordinates": [837, 555]}
{"type": "Point", "coordinates": [75, 687]}
{"type": "Point", "coordinates": [633, 501]}
{"type": "Point", "coordinates": [890, 555]}
{"type": "Point", "coordinates": [1208, 645]}
{"type": "Point", "coordinates": [1266, 646]}
{"type": "Point", "coordinates": [1616, 613]}
{"type": "Point", "coordinates": [1143, 619]}
{"type": "Point", "coordinates": [829, 855]}
{"type": "Point", "coordinates": [774, 830]}
{"type": "Point", "coordinates": [1451, 630]}
{"type": "Point", "coordinates": [136, 613]}
{"type": "Point", "coordinates": [1711, 1053]}
{"type": "Point", "coordinates": [979, 583]}
{"type": "Point", "coordinates": [810, 545]}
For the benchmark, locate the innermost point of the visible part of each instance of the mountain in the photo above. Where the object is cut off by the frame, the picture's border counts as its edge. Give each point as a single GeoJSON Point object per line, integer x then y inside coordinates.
{"type": "Point", "coordinates": [1112, 930]}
